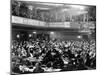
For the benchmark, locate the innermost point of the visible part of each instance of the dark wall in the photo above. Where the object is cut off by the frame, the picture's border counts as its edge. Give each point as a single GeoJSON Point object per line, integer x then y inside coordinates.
{"type": "Point", "coordinates": [23, 35]}
{"type": "Point", "coordinates": [62, 35]}
{"type": "Point", "coordinates": [65, 35]}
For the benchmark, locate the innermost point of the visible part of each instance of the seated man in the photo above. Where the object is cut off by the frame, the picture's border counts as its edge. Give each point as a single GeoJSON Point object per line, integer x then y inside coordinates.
{"type": "Point", "coordinates": [55, 57]}
{"type": "Point", "coordinates": [38, 68]}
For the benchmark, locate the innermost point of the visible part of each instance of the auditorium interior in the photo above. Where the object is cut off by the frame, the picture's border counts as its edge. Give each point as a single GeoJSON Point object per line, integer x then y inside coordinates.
{"type": "Point", "coordinates": [52, 37]}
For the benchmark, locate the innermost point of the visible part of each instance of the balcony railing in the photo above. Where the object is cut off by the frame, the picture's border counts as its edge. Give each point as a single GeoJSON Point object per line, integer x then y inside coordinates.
{"type": "Point", "coordinates": [33, 22]}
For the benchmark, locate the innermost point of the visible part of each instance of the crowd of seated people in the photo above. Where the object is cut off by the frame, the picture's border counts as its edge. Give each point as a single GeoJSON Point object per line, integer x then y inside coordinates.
{"type": "Point", "coordinates": [37, 56]}
{"type": "Point", "coordinates": [21, 9]}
